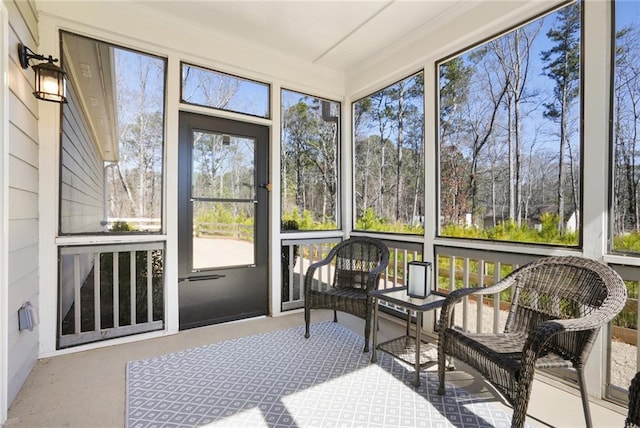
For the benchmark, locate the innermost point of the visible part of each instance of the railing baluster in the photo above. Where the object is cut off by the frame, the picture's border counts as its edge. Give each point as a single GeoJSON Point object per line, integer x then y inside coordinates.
{"type": "Point", "coordinates": [479, 314]}
{"type": "Point", "coordinates": [116, 290]}
{"type": "Point", "coordinates": [77, 298]}
{"type": "Point", "coordinates": [496, 298]}
{"type": "Point", "coordinates": [396, 269]}
{"type": "Point", "coordinates": [149, 285]}
{"type": "Point", "coordinates": [132, 287]}
{"type": "Point", "coordinates": [452, 273]}
{"type": "Point", "coordinates": [301, 251]}
{"type": "Point", "coordinates": [290, 272]}
{"type": "Point", "coordinates": [96, 293]}
{"type": "Point", "coordinates": [465, 300]}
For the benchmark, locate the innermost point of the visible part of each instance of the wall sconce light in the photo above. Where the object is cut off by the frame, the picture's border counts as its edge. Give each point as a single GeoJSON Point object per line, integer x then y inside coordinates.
{"type": "Point", "coordinates": [419, 279]}
{"type": "Point", "coordinates": [50, 80]}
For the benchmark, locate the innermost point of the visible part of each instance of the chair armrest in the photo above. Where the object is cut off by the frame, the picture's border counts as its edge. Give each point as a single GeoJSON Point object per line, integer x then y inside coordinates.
{"type": "Point", "coordinates": [543, 332]}
{"type": "Point", "coordinates": [374, 274]}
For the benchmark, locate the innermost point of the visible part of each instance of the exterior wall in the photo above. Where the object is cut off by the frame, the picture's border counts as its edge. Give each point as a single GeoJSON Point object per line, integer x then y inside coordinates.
{"type": "Point", "coordinates": [82, 172]}
{"type": "Point", "coordinates": [23, 191]}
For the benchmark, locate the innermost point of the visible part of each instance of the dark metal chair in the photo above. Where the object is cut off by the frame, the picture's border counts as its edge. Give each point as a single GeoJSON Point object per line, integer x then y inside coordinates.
{"type": "Point", "coordinates": [633, 416]}
{"type": "Point", "coordinates": [356, 265]}
{"type": "Point", "coordinates": [558, 305]}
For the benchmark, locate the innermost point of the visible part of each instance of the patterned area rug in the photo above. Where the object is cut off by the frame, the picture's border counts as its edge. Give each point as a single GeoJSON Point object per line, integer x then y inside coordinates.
{"type": "Point", "coordinates": [281, 379]}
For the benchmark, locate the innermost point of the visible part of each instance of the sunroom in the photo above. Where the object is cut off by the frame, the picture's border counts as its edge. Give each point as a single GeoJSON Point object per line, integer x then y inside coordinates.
{"type": "Point", "coordinates": [208, 152]}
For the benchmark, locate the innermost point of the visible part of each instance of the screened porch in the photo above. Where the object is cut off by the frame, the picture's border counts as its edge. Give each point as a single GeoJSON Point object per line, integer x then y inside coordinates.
{"type": "Point", "coordinates": [207, 144]}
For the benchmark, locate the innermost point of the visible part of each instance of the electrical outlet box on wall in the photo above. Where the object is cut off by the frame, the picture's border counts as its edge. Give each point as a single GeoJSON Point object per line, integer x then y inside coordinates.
{"type": "Point", "coordinates": [27, 317]}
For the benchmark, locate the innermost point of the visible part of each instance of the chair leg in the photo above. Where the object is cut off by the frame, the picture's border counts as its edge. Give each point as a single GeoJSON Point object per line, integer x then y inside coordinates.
{"type": "Point", "coordinates": [307, 319]}
{"type": "Point", "coordinates": [335, 316]}
{"type": "Point", "coordinates": [367, 333]}
{"type": "Point", "coordinates": [441, 368]}
{"type": "Point", "coordinates": [585, 397]}
{"type": "Point", "coordinates": [519, 416]}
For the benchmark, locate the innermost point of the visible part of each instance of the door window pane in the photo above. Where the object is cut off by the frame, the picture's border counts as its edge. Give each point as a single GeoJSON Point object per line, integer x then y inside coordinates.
{"type": "Point", "coordinates": [112, 140]}
{"type": "Point", "coordinates": [223, 166]}
{"type": "Point", "coordinates": [309, 166]}
{"type": "Point", "coordinates": [223, 234]}
{"type": "Point", "coordinates": [223, 200]}
{"type": "Point", "coordinates": [509, 130]}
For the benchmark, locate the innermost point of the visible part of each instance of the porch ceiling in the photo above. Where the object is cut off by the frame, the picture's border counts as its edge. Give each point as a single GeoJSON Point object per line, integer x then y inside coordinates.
{"type": "Point", "coordinates": [335, 34]}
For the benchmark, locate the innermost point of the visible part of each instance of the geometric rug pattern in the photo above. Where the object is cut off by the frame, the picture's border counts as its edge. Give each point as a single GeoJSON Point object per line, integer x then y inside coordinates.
{"type": "Point", "coordinates": [281, 379]}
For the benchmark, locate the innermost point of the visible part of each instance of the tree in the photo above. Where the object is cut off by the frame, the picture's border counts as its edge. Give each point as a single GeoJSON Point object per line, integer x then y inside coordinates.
{"type": "Point", "coordinates": [512, 53]}
{"type": "Point", "coordinates": [627, 121]}
{"type": "Point", "coordinates": [484, 114]}
{"type": "Point", "coordinates": [389, 154]}
{"type": "Point", "coordinates": [563, 67]}
{"type": "Point", "coordinates": [135, 181]}
{"type": "Point", "coordinates": [455, 79]}
{"type": "Point", "coordinates": [309, 157]}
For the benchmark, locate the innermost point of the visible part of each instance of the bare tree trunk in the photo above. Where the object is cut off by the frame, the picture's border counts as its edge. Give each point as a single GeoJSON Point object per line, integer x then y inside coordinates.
{"type": "Point", "coordinates": [399, 189]}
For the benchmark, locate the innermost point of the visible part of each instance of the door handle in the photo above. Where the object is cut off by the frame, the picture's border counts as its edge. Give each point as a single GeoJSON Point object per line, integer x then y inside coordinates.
{"type": "Point", "coordinates": [201, 278]}
{"type": "Point", "coordinates": [266, 186]}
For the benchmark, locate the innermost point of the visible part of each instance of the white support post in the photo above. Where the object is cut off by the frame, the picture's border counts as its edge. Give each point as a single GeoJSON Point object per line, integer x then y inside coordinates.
{"type": "Point", "coordinates": [4, 211]}
{"type": "Point", "coordinates": [596, 157]}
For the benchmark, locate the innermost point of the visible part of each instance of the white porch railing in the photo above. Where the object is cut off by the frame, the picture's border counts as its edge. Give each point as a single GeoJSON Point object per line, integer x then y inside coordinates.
{"type": "Point", "coordinates": [624, 359]}
{"type": "Point", "coordinates": [108, 291]}
{"type": "Point", "coordinates": [464, 268]}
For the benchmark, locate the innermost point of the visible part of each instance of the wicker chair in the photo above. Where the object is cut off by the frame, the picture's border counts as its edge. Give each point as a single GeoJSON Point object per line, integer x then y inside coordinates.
{"type": "Point", "coordinates": [633, 416]}
{"type": "Point", "coordinates": [357, 265]}
{"type": "Point", "coordinates": [558, 306]}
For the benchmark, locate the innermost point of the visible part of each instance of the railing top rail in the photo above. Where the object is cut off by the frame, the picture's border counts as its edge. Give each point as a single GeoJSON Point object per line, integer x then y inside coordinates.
{"type": "Point", "coordinates": [111, 248]}
{"type": "Point", "coordinates": [486, 255]}
{"type": "Point", "coordinates": [310, 241]}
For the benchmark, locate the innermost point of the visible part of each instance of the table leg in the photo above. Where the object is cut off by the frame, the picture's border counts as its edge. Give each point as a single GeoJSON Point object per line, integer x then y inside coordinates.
{"type": "Point", "coordinates": [374, 357]}
{"type": "Point", "coordinates": [416, 379]}
{"type": "Point", "coordinates": [407, 335]}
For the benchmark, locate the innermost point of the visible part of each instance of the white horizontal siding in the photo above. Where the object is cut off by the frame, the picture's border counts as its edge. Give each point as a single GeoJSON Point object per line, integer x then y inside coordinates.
{"type": "Point", "coordinates": [23, 175]}
{"type": "Point", "coordinates": [23, 213]}
{"type": "Point", "coordinates": [23, 147]}
{"type": "Point", "coordinates": [82, 176]}
{"type": "Point", "coordinates": [23, 205]}
{"type": "Point", "coordinates": [22, 234]}
{"type": "Point", "coordinates": [21, 291]}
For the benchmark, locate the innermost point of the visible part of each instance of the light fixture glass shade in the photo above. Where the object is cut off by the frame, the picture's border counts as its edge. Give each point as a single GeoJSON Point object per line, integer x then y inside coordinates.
{"type": "Point", "coordinates": [419, 279]}
{"type": "Point", "coordinates": [50, 83]}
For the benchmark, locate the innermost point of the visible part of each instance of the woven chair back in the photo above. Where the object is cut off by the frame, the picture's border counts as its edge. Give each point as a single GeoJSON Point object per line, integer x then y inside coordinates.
{"type": "Point", "coordinates": [354, 261]}
{"type": "Point", "coordinates": [563, 288]}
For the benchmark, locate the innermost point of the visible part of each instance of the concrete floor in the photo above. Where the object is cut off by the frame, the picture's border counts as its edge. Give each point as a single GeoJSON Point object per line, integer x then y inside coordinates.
{"type": "Point", "coordinates": [87, 389]}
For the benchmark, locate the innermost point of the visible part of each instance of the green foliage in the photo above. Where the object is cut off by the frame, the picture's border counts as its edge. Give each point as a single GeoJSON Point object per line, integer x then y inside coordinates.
{"type": "Point", "coordinates": [121, 226]}
{"type": "Point", "coordinates": [307, 222]}
{"type": "Point", "coordinates": [220, 221]}
{"type": "Point", "coordinates": [628, 242]}
{"type": "Point", "coordinates": [371, 222]}
{"type": "Point", "coordinates": [509, 231]}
